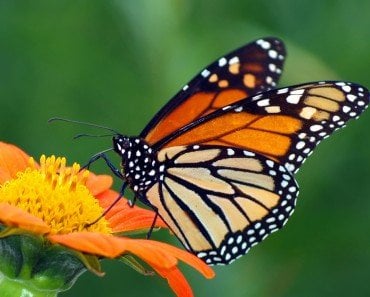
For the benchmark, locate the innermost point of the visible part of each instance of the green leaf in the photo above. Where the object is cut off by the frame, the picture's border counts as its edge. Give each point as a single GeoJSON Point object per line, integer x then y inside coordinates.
{"type": "Point", "coordinates": [91, 262]}
{"type": "Point", "coordinates": [134, 264]}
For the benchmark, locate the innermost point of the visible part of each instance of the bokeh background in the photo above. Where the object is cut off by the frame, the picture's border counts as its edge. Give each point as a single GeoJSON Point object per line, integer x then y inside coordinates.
{"type": "Point", "coordinates": [117, 62]}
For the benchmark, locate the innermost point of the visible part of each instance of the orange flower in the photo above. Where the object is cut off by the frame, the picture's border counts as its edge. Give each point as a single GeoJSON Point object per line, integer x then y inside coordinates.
{"type": "Point", "coordinates": [58, 202]}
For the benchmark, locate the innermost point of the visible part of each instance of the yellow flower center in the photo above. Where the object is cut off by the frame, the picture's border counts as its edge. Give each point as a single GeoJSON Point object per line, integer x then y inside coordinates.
{"type": "Point", "coordinates": [57, 194]}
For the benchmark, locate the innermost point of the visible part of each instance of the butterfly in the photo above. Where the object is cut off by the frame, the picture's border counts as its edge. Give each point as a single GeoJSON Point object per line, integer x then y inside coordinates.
{"type": "Point", "coordinates": [217, 162]}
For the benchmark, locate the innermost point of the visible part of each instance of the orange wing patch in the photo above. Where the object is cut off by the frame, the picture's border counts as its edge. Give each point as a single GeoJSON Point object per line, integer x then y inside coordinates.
{"type": "Point", "coordinates": [181, 115]}
{"type": "Point", "coordinates": [228, 97]}
{"type": "Point", "coordinates": [198, 105]}
{"type": "Point", "coordinates": [268, 135]}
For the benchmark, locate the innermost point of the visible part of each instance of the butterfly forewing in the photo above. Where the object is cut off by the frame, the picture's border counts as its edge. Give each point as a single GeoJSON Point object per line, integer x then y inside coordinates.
{"type": "Point", "coordinates": [221, 201]}
{"type": "Point", "coordinates": [284, 125]}
{"type": "Point", "coordinates": [244, 72]}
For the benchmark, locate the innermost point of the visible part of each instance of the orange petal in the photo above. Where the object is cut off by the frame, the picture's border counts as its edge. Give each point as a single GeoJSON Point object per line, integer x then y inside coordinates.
{"type": "Point", "coordinates": [123, 218]}
{"type": "Point", "coordinates": [107, 197]}
{"type": "Point", "coordinates": [111, 247]}
{"type": "Point", "coordinates": [90, 242]}
{"type": "Point", "coordinates": [16, 217]}
{"type": "Point", "coordinates": [150, 253]}
{"type": "Point", "coordinates": [176, 280]}
{"type": "Point", "coordinates": [182, 255]}
{"type": "Point", "coordinates": [12, 160]}
{"type": "Point", "coordinates": [174, 277]}
{"type": "Point", "coordinates": [97, 184]}
{"type": "Point", "coordinates": [131, 219]}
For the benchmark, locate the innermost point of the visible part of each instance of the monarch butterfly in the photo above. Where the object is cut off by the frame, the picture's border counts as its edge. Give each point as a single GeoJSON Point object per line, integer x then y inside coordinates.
{"type": "Point", "coordinates": [217, 162]}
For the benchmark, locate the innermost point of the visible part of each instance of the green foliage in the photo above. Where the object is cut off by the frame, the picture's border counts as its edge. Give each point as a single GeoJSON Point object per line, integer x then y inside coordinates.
{"type": "Point", "coordinates": [117, 62]}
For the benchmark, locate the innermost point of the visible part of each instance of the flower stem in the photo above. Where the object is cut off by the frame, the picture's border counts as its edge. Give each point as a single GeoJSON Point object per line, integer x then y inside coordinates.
{"type": "Point", "coordinates": [15, 288]}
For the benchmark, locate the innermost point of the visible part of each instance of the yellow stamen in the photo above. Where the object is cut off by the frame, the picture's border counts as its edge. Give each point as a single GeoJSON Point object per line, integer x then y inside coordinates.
{"type": "Point", "coordinates": [57, 194]}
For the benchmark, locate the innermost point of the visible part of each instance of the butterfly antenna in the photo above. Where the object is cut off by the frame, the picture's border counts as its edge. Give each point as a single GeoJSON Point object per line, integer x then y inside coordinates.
{"type": "Point", "coordinates": [82, 123]}
{"type": "Point", "coordinates": [91, 135]}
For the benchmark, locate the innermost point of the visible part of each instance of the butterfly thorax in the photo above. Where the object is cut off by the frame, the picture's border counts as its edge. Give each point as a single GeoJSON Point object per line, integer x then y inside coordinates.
{"type": "Point", "coordinates": [140, 166]}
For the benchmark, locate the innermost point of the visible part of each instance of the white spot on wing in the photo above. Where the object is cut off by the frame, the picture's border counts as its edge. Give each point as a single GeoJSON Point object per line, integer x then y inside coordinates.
{"type": "Point", "coordinates": [283, 91]}
{"type": "Point", "coordinates": [273, 109]}
{"type": "Point", "coordinates": [346, 109]}
{"type": "Point", "coordinates": [264, 102]}
{"type": "Point", "coordinates": [316, 128]}
{"type": "Point", "coordinates": [272, 67]}
{"type": "Point", "coordinates": [248, 154]}
{"type": "Point", "coordinates": [257, 97]}
{"type": "Point", "coordinates": [234, 60]}
{"type": "Point", "coordinates": [346, 88]}
{"type": "Point", "coordinates": [269, 79]}
{"type": "Point", "coordinates": [297, 92]}
{"type": "Point", "coordinates": [230, 152]}
{"type": "Point", "coordinates": [272, 54]}
{"type": "Point", "coordinates": [293, 99]}
{"type": "Point", "coordinates": [351, 97]}
{"type": "Point", "coordinates": [205, 73]}
{"type": "Point", "coordinates": [300, 145]}
{"type": "Point", "coordinates": [263, 43]}
{"type": "Point", "coordinates": [222, 62]}
{"type": "Point", "coordinates": [336, 118]}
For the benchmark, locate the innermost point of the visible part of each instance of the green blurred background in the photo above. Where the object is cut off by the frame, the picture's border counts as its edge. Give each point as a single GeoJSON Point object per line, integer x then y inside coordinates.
{"type": "Point", "coordinates": [117, 62]}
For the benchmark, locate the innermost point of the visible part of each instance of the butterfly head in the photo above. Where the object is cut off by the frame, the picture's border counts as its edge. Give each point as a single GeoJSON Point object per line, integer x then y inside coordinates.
{"type": "Point", "coordinates": [139, 162]}
{"type": "Point", "coordinates": [121, 144]}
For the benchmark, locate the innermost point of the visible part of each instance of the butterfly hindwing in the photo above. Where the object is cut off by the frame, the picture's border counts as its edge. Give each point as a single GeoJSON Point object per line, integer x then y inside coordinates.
{"type": "Point", "coordinates": [285, 124]}
{"type": "Point", "coordinates": [244, 72]}
{"type": "Point", "coordinates": [221, 201]}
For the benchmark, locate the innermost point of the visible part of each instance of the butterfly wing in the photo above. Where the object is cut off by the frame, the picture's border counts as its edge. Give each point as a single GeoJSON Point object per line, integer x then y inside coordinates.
{"type": "Point", "coordinates": [285, 124]}
{"type": "Point", "coordinates": [221, 201]}
{"type": "Point", "coordinates": [244, 72]}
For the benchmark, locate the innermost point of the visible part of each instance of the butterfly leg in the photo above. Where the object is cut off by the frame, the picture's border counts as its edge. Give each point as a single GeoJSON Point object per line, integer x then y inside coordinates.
{"type": "Point", "coordinates": [132, 202]}
{"type": "Point", "coordinates": [98, 156]}
{"type": "Point", "coordinates": [153, 223]}
{"type": "Point", "coordinates": [155, 209]}
{"type": "Point", "coordinates": [120, 195]}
